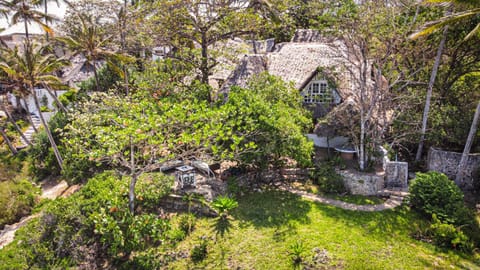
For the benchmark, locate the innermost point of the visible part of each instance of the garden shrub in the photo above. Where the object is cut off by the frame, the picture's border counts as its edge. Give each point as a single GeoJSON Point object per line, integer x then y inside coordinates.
{"type": "Point", "coordinates": [92, 223]}
{"type": "Point", "coordinates": [328, 180]}
{"type": "Point", "coordinates": [123, 233]}
{"type": "Point", "coordinates": [433, 193]}
{"type": "Point", "coordinates": [150, 188]}
{"type": "Point", "coordinates": [17, 198]}
{"type": "Point", "coordinates": [233, 186]}
{"type": "Point", "coordinates": [296, 252]}
{"type": "Point", "coordinates": [447, 236]}
{"type": "Point", "coordinates": [223, 205]}
{"type": "Point", "coordinates": [186, 223]}
{"type": "Point", "coordinates": [199, 252]}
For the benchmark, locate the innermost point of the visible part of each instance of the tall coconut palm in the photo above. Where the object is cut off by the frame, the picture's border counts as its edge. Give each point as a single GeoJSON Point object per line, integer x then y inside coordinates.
{"type": "Point", "coordinates": [44, 3]}
{"type": "Point", "coordinates": [23, 11]}
{"type": "Point", "coordinates": [88, 40]}
{"type": "Point", "coordinates": [7, 140]}
{"type": "Point", "coordinates": [32, 67]}
{"type": "Point", "coordinates": [472, 10]}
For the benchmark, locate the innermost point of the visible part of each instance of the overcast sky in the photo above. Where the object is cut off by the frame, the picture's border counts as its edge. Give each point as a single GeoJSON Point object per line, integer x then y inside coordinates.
{"type": "Point", "coordinates": [53, 9]}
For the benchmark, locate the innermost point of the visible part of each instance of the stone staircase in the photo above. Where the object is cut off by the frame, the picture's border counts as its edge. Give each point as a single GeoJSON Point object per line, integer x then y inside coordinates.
{"type": "Point", "coordinates": [30, 131]}
{"type": "Point", "coordinates": [396, 196]}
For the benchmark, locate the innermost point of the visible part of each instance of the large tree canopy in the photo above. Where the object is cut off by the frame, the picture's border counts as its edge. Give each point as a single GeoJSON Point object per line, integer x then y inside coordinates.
{"type": "Point", "coordinates": [256, 126]}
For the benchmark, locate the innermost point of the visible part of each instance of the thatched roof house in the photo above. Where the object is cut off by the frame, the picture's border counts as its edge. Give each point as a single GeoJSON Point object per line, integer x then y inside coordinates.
{"type": "Point", "coordinates": [314, 64]}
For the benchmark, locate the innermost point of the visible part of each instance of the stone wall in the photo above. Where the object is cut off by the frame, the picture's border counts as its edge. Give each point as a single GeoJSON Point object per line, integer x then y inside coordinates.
{"type": "Point", "coordinates": [396, 172]}
{"type": "Point", "coordinates": [360, 183]}
{"type": "Point", "coordinates": [175, 203]}
{"type": "Point", "coordinates": [447, 162]}
{"type": "Point", "coordinates": [396, 175]}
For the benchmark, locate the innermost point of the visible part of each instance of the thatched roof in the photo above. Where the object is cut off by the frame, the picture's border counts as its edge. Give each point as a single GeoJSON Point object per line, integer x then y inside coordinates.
{"type": "Point", "coordinates": [294, 62]}
{"type": "Point", "coordinates": [233, 50]}
{"type": "Point", "coordinates": [79, 70]}
{"type": "Point", "coordinates": [309, 35]}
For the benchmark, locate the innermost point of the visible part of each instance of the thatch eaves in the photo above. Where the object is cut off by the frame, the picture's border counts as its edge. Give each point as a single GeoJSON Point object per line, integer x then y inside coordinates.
{"type": "Point", "coordinates": [249, 66]}
{"type": "Point", "coordinates": [297, 63]}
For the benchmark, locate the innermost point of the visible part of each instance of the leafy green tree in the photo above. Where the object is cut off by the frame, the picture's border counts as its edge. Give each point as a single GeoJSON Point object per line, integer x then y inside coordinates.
{"type": "Point", "coordinates": [269, 115]}
{"type": "Point", "coordinates": [183, 23]}
{"type": "Point", "coordinates": [139, 133]}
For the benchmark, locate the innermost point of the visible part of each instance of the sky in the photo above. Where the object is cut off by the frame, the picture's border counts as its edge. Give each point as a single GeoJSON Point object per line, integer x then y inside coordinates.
{"type": "Point", "coordinates": [53, 9]}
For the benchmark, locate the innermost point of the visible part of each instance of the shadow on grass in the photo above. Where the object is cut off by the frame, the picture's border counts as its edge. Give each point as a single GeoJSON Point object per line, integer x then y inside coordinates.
{"type": "Point", "coordinates": [399, 221]}
{"type": "Point", "coordinates": [221, 226]}
{"type": "Point", "coordinates": [272, 209]}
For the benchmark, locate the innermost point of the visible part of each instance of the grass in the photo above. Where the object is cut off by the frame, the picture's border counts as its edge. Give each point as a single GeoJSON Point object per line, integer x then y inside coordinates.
{"type": "Point", "coordinates": [266, 225]}
{"type": "Point", "coordinates": [355, 199]}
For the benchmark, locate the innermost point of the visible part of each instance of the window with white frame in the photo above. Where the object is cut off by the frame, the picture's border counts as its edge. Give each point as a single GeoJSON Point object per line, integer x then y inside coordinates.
{"type": "Point", "coordinates": [317, 92]}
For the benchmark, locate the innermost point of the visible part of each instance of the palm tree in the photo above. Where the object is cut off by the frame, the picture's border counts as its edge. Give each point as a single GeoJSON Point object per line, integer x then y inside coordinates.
{"type": "Point", "coordinates": [44, 3]}
{"type": "Point", "coordinates": [90, 42]}
{"type": "Point", "coordinates": [428, 99]}
{"type": "Point", "coordinates": [23, 12]}
{"type": "Point", "coordinates": [35, 67]}
{"type": "Point", "coordinates": [7, 140]}
{"type": "Point", "coordinates": [472, 10]}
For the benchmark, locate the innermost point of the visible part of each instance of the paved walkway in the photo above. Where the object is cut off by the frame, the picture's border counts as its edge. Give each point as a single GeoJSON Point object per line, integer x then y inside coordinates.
{"type": "Point", "coordinates": [395, 199]}
{"type": "Point", "coordinates": [50, 190]}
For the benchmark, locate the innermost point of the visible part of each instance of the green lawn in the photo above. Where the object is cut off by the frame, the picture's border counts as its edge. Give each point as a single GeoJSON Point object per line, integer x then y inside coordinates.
{"type": "Point", "coordinates": [355, 199]}
{"type": "Point", "coordinates": [266, 224]}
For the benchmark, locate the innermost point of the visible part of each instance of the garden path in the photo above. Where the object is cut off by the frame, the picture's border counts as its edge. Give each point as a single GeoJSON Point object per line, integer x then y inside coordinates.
{"type": "Point", "coordinates": [50, 190]}
{"type": "Point", "coordinates": [395, 199]}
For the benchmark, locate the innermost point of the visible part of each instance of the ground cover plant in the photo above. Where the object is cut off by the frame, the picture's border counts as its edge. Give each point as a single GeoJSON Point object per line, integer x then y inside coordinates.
{"type": "Point", "coordinates": [93, 223]}
{"type": "Point", "coordinates": [17, 193]}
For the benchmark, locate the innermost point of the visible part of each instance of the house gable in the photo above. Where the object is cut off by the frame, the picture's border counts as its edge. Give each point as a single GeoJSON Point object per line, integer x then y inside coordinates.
{"type": "Point", "coordinates": [320, 95]}
{"type": "Point", "coordinates": [320, 90]}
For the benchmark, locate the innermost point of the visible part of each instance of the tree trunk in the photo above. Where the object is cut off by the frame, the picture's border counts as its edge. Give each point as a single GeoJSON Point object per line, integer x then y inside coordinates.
{"type": "Point", "coordinates": [27, 36]}
{"type": "Point", "coordinates": [7, 141]}
{"type": "Point", "coordinates": [204, 63]}
{"type": "Point", "coordinates": [124, 45]}
{"type": "Point", "coordinates": [131, 194]}
{"type": "Point", "coordinates": [46, 21]}
{"type": "Point", "coordinates": [433, 75]}
{"type": "Point", "coordinates": [361, 151]}
{"type": "Point", "coordinates": [10, 118]}
{"type": "Point", "coordinates": [49, 134]}
{"type": "Point", "coordinates": [468, 145]}
{"type": "Point", "coordinates": [133, 181]}
{"type": "Point", "coordinates": [53, 94]}
{"type": "Point", "coordinates": [97, 82]}
{"type": "Point", "coordinates": [29, 114]}
{"type": "Point", "coordinates": [363, 86]}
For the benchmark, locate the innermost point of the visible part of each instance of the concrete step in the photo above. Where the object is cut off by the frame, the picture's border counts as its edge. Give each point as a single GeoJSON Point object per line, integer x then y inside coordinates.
{"type": "Point", "coordinates": [397, 193]}
{"type": "Point", "coordinates": [397, 198]}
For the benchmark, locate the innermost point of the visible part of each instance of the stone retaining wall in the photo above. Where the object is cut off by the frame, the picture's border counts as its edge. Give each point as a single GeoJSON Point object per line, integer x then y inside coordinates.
{"type": "Point", "coordinates": [360, 183]}
{"type": "Point", "coordinates": [176, 203]}
{"type": "Point", "coordinates": [396, 172]}
{"type": "Point", "coordinates": [447, 162]}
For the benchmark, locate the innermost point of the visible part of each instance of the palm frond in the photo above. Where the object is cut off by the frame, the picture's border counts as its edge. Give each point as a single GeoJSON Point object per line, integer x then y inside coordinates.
{"type": "Point", "coordinates": [433, 26]}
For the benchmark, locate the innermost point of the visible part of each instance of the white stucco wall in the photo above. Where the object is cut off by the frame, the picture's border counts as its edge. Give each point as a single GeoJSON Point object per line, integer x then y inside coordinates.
{"type": "Point", "coordinates": [41, 93]}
